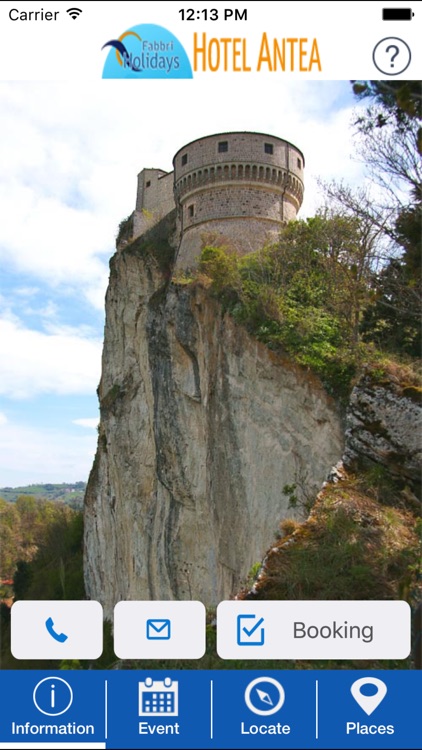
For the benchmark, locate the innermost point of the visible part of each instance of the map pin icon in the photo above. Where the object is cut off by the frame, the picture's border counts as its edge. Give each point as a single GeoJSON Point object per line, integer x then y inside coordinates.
{"type": "Point", "coordinates": [369, 703]}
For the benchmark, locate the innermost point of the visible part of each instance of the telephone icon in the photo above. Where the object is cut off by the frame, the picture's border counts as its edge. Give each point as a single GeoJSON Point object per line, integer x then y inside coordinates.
{"type": "Point", "coordinates": [60, 637]}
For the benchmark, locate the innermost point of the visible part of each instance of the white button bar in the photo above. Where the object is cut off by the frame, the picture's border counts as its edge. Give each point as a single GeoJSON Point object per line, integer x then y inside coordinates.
{"type": "Point", "coordinates": [313, 630]}
{"type": "Point", "coordinates": [57, 630]}
{"type": "Point", "coordinates": [159, 630]}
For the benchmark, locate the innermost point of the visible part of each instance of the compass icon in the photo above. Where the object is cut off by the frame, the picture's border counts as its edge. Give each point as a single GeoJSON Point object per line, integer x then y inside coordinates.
{"type": "Point", "coordinates": [264, 696]}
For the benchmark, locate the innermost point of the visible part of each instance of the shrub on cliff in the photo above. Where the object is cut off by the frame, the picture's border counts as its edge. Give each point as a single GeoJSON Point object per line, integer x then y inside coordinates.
{"type": "Point", "coordinates": [304, 294]}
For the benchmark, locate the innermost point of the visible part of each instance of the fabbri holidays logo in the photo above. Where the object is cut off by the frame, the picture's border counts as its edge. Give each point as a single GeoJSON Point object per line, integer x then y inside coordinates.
{"type": "Point", "coordinates": [146, 51]}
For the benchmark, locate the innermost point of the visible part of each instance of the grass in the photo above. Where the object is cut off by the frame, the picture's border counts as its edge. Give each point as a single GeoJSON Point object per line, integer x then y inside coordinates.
{"type": "Point", "coordinates": [350, 547]}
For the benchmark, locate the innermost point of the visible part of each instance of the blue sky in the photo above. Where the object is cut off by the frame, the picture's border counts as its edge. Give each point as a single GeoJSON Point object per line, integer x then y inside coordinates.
{"type": "Point", "coordinates": [70, 157]}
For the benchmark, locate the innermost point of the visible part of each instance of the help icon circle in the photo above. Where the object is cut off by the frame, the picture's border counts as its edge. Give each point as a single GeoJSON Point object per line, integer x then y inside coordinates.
{"type": "Point", "coordinates": [392, 56]}
{"type": "Point", "coordinates": [368, 703]}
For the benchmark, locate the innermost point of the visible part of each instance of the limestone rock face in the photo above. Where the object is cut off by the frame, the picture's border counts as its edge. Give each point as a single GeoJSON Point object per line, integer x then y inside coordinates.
{"type": "Point", "coordinates": [201, 428]}
{"type": "Point", "coordinates": [384, 425]}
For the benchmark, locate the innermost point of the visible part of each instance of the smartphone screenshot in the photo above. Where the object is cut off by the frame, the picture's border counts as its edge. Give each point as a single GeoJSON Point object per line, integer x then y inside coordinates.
{"type": "Point", "coordinates": [210, 375]}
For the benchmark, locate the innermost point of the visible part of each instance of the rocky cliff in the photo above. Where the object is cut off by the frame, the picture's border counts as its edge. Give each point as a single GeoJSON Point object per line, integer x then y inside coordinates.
{"type": "Point", "coordinates": [201, 428]}
{"type": "Point", "coordinates": [384, 427]}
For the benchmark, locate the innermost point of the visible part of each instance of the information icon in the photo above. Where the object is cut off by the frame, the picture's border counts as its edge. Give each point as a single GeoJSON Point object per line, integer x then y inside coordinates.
{"type": "Point", "coordinates": [264, 696]}
{"type": "Point", "coordinates": [52, 696]}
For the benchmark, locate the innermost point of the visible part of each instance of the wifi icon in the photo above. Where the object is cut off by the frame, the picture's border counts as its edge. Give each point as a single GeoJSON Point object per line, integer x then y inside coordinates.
{"type": "Point", "coordinates": [74, 12]}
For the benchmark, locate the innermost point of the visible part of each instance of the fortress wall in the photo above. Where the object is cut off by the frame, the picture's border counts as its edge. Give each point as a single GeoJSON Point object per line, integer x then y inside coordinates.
{"type": "Point", "coordinates": [232, 200]}
{"type": "Point", "coordinates": [154, 199]}
{"type": "Point", "coordinates": [155, 191]}
{"type": "Point", "coordinates": [244, 235]}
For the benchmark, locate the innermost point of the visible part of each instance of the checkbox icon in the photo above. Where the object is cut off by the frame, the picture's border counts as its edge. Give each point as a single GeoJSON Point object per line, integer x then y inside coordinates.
{"type": "Point", "coordinates": [249, 630]}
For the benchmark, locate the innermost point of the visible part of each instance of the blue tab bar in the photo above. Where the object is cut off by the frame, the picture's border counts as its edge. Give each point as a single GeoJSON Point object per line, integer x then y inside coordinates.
{"type": "Point", "coordinates": [211, 709]}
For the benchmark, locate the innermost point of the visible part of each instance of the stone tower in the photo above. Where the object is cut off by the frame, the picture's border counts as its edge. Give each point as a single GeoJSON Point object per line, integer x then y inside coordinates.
{"type": "Point", "coordinates": [238, 188]}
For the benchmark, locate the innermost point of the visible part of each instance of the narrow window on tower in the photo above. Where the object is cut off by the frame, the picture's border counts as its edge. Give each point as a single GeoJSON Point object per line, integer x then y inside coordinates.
{"type": "Point", "coordinates": [299, 164]}
{"type": "Point", "coordinates": [223, 147]}
{"type": "Point", "coordinates": [191, 211]}
{"type": "Point", "coordinates": [147, 184]}
{"type": "Point", "coordinates": [184, 159]}
{"type": "Point", "coordinates": [268, 148]}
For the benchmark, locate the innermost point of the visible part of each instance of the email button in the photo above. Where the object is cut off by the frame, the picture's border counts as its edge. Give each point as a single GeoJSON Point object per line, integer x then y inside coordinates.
{"type": "Point", "coordinates": [158, 630]}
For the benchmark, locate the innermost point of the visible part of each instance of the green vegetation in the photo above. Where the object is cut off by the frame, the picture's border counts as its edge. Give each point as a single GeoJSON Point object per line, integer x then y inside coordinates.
{"type": "Point", "coordinates": [361, 541]}
{"type": "Point", "coordinates": [372, 547]}
{"type": "Point", "coordinates": [125, 231]}
{"type": "Point", "coordinates": [41, 550]}
{"type": "Point", "coordinates": [25, 527]}
{"type": "Point", "coordinates": [155, 244]}
{"type": "Point", "coordinates": [303, 295]}
{"type": "Point", "coordinates": [71, 494]}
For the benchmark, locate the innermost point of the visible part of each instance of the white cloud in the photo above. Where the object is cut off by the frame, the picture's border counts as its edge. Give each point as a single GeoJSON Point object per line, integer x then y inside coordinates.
{"type": "Point", "coordinates": [52, 241]}
{"type": "Point", "coordinates": [27, 291]}
{"type": "Point", "coordinates": [69, 170]}
{"type": "Point", "coordinates": [32, 362]}
{"type": "Point", "coordinates": [91, 423]}
{"type": "Point", "coordinates": [3, 418]}
{"type": "Point", "coordinates": [39, 455]}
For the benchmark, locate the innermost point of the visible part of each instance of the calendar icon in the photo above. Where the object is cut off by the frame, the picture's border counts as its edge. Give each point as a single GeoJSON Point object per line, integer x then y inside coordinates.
{"type": "Point", "coordinates": [159, 697]}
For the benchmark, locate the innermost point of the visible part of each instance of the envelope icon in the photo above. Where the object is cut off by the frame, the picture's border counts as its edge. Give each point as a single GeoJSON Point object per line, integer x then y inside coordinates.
{"type": "Point", "coordinates": [158, 630]}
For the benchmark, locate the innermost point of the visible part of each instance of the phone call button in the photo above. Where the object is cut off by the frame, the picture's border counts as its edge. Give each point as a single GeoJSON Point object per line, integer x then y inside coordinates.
{"type": "Point", "coordinates": [56, 630]}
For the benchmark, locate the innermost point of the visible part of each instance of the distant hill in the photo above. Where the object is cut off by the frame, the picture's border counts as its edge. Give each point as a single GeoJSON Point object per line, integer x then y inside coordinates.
{"type": "Point", "coordinates": [71, 494]}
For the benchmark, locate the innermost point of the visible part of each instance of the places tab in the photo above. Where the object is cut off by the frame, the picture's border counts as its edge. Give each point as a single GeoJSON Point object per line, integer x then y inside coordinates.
{"type": "Point", "coordinates": [373, 709]}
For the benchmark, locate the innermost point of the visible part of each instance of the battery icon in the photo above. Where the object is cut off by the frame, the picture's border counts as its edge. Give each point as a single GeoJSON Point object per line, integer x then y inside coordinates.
{"type": "Point", "coordinates": [397, 14]}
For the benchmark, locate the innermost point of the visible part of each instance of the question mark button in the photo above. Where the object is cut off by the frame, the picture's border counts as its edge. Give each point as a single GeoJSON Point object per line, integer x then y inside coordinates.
{"type": "Point", "coordinates": [395, 53]}
{"type": "Point", "coordinates": [391, 56]}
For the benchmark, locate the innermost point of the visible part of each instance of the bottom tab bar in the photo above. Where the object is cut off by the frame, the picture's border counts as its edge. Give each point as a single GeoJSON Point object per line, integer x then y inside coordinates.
{"type": "Point", "coordinates": [168, 709]}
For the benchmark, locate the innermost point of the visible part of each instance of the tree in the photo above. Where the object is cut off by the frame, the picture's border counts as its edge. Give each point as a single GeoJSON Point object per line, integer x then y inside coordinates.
{"type": "Point", "coordinates": [9, 538]}
{"type": "Point", "coordinates": [389, 142]}
{"type": "Point", "coordinates": [392, 322]}
{"type": "Point", "coordinates": [392, 135]}
{"type": "Point", "coordinates": [391, 146]}
{"type": "Point", "coordinates": [401, 99]}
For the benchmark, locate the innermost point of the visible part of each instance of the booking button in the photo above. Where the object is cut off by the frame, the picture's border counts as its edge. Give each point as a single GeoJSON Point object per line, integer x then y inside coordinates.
{"type": "Point", "coordinates": [313, 630]}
